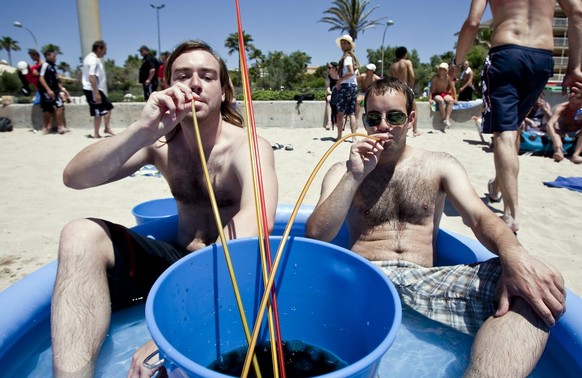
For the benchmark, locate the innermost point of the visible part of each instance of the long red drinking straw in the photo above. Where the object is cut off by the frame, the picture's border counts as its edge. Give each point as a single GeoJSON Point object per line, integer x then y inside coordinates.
{"type": "Point", "coordinates": [251, 124]}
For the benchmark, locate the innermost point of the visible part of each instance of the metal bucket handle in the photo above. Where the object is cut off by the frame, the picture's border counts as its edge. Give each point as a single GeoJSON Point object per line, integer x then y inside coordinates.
{"type": "Point", "coordinates": [156, 365]}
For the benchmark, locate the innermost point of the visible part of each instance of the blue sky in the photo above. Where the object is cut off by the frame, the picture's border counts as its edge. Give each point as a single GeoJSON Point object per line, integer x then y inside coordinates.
{"type": "Point", "coordinates": [275, 25]}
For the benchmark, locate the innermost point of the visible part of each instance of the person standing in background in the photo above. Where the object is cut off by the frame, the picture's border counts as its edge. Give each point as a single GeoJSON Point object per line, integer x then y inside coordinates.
{"type": "Point", "coordinates": [347, 84]}
{"type": "Point", "coordinates": [95, 88]}
{"type": "Point", "coordinates": [403, 70]}
{"type": "Point", "coordinates": [50, 99]}
{"type": "Point", "coordinates": [466, 83]}
{"type": "Point", "coordinates": [160, 72]}
{"type": "Point", "coordinates": [518, 66]}
{"type": "Point", "coordinates": [147, 72]}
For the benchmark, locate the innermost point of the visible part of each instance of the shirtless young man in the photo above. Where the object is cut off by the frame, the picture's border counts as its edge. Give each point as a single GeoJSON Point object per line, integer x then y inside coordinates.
{"type": "Point", "coordinates": [565, 121]}
{"type": "Point", "coordinates": [392, 197]}
{"type": "Point", "coordinates": [518, 66]}
{"type": "Point", "coordinates": [364, 81]}
{"type": "Point", "coordinates": [403, 70]}
{"type": "Point", "coordinates": [443, 92]}
{"type": "Point", "coordinates": [103, 266]}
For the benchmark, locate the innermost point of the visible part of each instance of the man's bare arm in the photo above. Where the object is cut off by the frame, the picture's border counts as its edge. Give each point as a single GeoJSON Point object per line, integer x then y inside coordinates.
{"type": "Point", "coordinates": [573, 77]}
{"type": "Point", "coordinates": [522, 275]}
{"type": "Point", "coordinates": [122, 154]}
{"type": "Point", "coordinates": [469, 29]}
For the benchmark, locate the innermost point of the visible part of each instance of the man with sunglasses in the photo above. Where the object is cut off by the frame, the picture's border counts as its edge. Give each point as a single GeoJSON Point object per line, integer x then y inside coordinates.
{"type": "Point", "coordinates": [391, 197]}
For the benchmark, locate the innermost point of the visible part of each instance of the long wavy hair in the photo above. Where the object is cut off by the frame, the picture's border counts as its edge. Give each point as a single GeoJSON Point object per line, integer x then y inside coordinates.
{"type": "Point", "coordinates": [229, 114]}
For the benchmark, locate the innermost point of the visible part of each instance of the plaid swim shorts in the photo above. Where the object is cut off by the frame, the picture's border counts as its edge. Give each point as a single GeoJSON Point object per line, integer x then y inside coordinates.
{"type": "Point", "coordinates": [461, 296]}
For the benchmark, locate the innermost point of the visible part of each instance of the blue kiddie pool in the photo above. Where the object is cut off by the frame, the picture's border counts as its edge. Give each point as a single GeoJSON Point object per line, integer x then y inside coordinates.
{"type": "Point", "coordinates": [422, 348]}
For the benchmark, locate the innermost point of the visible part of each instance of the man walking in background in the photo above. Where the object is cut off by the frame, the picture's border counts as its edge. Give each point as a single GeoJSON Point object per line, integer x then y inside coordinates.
{"type": "Point", "coordinates": [147, 72]}
{"type": "Point", "coordinates": [403, 70]}
{"type": "Point", "coordinates": [516, 70]}
{"type": "Point", "coordinates": [95, 88]}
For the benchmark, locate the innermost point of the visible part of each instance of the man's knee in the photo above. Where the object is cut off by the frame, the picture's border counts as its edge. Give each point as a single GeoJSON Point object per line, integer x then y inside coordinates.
{"type": "Point", "coordinates": [86, 239]}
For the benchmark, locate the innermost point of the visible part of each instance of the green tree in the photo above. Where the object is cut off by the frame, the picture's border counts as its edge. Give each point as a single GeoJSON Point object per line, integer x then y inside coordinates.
{"type": "Point", "coordinates": [8, 44]}
{"type": "Point", "coordinates": [232, 45]}
{"type": "Point", "coordinates": [64, 67]}
{"type": "Point", "coordinates": [52, 47]}
{"type": "Point", "coordinates": [350, 16]}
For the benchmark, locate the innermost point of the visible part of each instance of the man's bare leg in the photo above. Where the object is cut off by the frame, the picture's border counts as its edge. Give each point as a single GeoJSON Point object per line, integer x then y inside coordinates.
{"type": "Point", "coordinates": [47, 122]}
{"type": "Point", "coordinates": [506, 172]}
{"type": "Point", "coordinates": [80, 309]}
{"type": "Point", "coordinates": [341, 123]}
{"type": "Point", "coordinates": [576, 159]}
{"type": "Point", "coordinates": [107, 124]}
{"type": "Point", "coordinates": [510, 345]}
{"type": "Point", "coordinates": [96, 126]}
{"type": "Point", "coordinates": [415, 131]}
{"type": "Point", "coordinates": [353, 126]}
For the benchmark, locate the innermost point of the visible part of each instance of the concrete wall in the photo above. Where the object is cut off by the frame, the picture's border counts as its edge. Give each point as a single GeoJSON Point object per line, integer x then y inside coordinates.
{"type": "Point", "coordinates": [267, 114]}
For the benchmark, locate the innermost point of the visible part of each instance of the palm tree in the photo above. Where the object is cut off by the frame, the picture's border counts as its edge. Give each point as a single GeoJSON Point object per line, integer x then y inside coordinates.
{"type": "Point", "coordinates": [231, 44]}
{"type": "Point", "coordinates": [56, 49]}
{"type": "Point", "coordinates": [350, 16]}
{"type": "Point", "coordinates": [8, 44]}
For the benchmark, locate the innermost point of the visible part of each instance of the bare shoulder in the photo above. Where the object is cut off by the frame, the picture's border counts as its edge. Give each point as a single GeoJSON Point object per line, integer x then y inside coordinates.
{"type": "Point", "coordinates": [434, 161]}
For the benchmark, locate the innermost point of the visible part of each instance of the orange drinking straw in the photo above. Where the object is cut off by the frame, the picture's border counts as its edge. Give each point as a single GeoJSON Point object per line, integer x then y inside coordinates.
{"type": "Point", "coordinates": [279, 255]}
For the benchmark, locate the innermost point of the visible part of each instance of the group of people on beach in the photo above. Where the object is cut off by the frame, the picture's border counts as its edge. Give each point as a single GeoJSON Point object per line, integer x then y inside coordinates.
{"type": "Point", "coordinates": [390, 195]}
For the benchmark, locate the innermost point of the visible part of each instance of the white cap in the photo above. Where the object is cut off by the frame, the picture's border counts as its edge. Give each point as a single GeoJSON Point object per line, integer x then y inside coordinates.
{"type": "Point", "coordinates": [22, 67]}
{"type": "Point", "coordinates": [371, 66]}
{"type": "Point", "coordinates": [444, 65]}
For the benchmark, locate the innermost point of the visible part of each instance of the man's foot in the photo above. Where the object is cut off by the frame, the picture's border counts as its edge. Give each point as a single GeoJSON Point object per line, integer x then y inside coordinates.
{"type": "Point", "coordinates": [492, 198]}
{"type": "Point", "coordinates": [576, 159]}
{"type": "Point", "coordinates": [46, 131]}
{"type": "Point", "coordinates": [109, 131]}
{"type": "Point", "coordinates": [416, 133]}
{"type": "Point", "coordinates": [447, 122]}
{"type": "Point", "coordinates": [511, 223]}
{"type": "Point", "coordinates": [62, 130]}
{"type": "Point", "coordinates": [326, 126]}
{"type": "Point", "coordinates": [558, 156]}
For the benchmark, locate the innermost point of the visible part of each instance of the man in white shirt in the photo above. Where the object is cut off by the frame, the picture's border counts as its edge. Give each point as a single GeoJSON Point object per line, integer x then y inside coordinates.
{"type": "Point", "coordinates": [95, 88]}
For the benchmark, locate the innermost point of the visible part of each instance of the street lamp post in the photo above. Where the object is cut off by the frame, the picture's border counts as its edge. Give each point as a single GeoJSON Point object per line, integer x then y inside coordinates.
{"type": "Point", "coordinates": [17, 24]}
{"type": "Point", "coordinates": [388, 23]}
{"type": "Point", "coordinates": [157, 8]}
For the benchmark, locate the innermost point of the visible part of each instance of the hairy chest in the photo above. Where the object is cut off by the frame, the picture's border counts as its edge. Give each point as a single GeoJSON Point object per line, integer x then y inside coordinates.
{"type": "Point", "coordinates": [405, 196]}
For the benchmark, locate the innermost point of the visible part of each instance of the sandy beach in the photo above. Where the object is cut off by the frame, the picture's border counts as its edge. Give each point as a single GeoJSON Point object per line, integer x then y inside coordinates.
{"type": "Point", "coordinates": [35, 204]}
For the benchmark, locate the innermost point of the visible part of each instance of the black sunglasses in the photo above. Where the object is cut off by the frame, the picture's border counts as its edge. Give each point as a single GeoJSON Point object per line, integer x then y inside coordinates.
{"type": "Point", "coordinates": [394, 118]}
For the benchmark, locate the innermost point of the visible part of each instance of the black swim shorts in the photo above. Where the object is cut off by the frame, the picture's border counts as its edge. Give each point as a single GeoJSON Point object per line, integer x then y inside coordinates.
{"type": "Point", "coordinates": [139, 261]}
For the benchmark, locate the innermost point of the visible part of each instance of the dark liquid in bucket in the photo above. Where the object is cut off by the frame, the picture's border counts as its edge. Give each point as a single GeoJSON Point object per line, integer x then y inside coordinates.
{"type": "Point", "coordinates": [301, 360]}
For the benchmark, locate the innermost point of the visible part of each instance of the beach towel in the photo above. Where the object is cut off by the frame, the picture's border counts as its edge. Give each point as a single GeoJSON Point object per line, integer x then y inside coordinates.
{"type": "Point", "coordinates": [148, 170]}
{"type": "Point", "coordinates": [572, 183]}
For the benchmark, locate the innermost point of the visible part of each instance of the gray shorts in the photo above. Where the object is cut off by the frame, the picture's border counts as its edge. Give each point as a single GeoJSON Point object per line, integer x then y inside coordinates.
{"type": "Point", "coordinates": [461, 296]}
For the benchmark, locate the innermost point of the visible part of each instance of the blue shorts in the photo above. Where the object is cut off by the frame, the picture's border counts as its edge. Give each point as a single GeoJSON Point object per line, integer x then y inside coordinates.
{"type": "Point", "coordinates": [346, 99]}
{"type": "Point", "coordinates": [512, 79]}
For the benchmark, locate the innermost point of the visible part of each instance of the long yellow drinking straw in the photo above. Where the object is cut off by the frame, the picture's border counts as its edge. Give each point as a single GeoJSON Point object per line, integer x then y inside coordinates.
{"type": "Point", "coordinates": [221, 235]}
{"type": "Point", "coordinates": [281, 247]}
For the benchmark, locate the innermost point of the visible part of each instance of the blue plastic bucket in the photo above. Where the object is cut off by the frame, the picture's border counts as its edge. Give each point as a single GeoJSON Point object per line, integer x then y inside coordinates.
{"type": "Point", "coordinates": [327, 296]}
{"type": "Point", "coordinates": [153, 210]}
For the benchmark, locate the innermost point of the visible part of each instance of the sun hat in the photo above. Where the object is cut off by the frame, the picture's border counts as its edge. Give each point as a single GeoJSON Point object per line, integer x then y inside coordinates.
{"type": "Point", "coordinates": [345, 37]}
{"type": "Point", "coordinates": [444, 65]}
{"type": "Point", "coordinates": [371, 66]}
{"type": "Point", "coordinates": [22, 67]}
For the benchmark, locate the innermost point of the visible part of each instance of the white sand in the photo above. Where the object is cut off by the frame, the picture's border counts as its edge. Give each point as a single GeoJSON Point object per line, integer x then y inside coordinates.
{"type": "Point", "coordinates": [35, 204]}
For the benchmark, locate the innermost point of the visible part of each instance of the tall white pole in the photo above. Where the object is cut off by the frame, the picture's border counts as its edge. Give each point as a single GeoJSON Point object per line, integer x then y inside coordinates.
{"type": "Point", "coordinates": [89, 24]}
{"type": "Point", "coordinates": [388, 23]}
